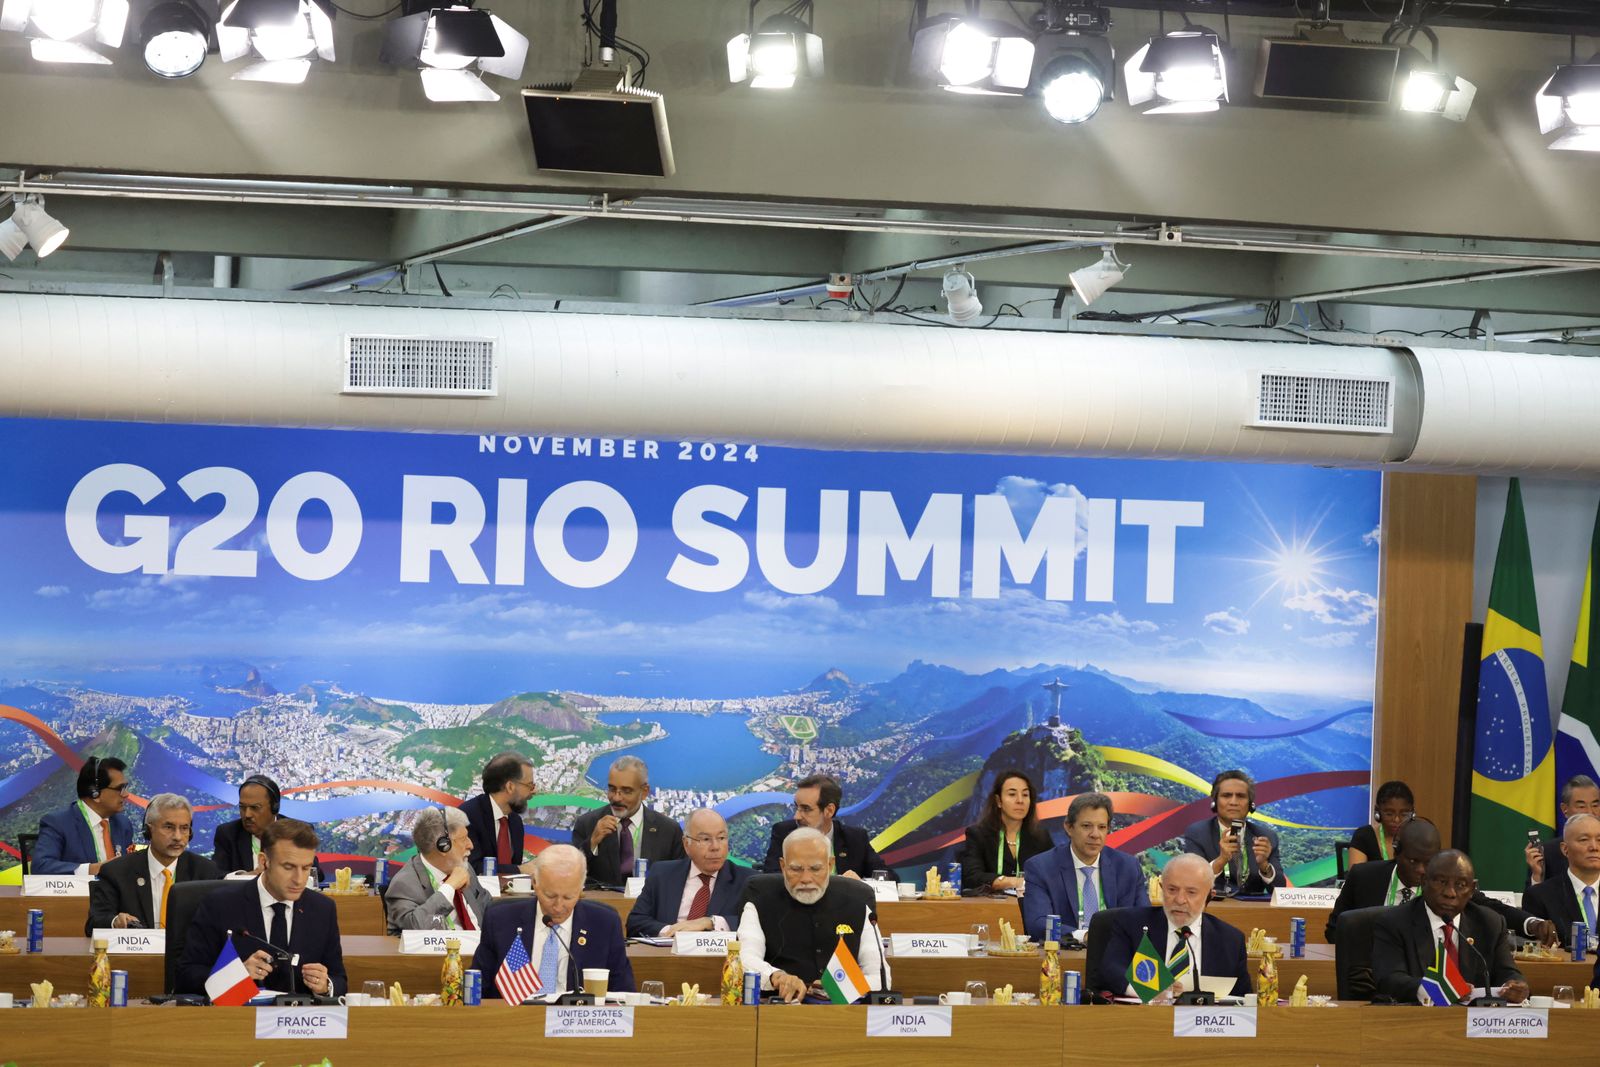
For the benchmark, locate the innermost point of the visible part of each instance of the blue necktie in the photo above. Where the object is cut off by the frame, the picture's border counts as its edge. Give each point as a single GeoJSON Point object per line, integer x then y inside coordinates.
{"type": "Point", "coordinates": [1588, 908]}
{"type": "Point", "coordinates": [547, 962]}
{"type": "Point", "coordinates": [1088, 899]}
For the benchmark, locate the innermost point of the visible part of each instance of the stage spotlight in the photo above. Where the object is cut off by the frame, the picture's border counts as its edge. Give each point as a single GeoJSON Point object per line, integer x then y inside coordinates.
{"type": "Point", "coordinates": [283, 35]}
{"type": "Point", "coordinates": [67, 31]}
{"type": "Point", "coordinates": [454, 47]}
{"type": "Point", "coordinates": [775, 56]}
{"type": "Point", "coordinates": [961, 295]}
{"type": "Point", "coordinates": [175, 36]}
{"type": "Point", "coordinates": [1184, 72]}
{"type": "Point", "coordinates": [1091, 282]}
{"type": "Point", "coordinates": [1570, 101]}
{"type": "Point", "coordinates": [1433, 93]}
{"type": "Point", "coordinates": [1072, 75]}
{"type": "Point", "coordinates": [977, 56]}
{"type": "Point", "coordinates": [30, 224]}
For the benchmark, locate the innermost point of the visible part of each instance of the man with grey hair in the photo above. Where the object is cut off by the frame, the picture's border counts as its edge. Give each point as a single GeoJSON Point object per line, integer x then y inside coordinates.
{"type": "Point", "coordinates": [437, 889]}
{"type": "Point", "coordinates": [131, 891]}
{"type": "Point", "coordinates": [1081, 877]}
{"type": "Point", "coordinates": [614, 837]}
{"type": "Point", "coordinates": [701, 892]}
{"type": "Point", "coordinates": [1580, 795]}
{"type": "Point", "coordinates": [1574, 895]}
{"type": "Point", "coordinates": [561, 936]}
{"type": "Point", "coordinates": [791, 922]}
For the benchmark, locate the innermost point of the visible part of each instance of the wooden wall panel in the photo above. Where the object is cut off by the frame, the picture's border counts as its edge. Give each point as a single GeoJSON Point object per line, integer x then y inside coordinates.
{"type": "Point", "coordinates": [1425, 588]}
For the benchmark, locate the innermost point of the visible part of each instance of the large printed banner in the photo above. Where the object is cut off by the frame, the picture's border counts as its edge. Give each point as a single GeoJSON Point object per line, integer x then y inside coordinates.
{"type": "Point", "coordinates": [369, 616]}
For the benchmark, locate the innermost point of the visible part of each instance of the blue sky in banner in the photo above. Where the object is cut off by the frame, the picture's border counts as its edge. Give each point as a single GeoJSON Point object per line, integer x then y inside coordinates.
{"type": "Point", "coordinates": [1274, 595]}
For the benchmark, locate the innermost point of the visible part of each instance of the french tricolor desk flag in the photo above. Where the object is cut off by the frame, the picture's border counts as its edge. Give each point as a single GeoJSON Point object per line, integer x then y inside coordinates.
{"type": "Point", "coordinates": [230, 984]}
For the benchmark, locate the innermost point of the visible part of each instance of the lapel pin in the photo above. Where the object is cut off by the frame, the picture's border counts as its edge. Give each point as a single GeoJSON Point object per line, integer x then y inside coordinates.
{"type": "Point", "coordinates": [140, 881]}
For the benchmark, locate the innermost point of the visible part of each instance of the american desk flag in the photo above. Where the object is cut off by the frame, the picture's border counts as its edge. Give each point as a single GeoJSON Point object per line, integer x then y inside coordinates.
{"type": "Point", "coordinates": [518, 978]}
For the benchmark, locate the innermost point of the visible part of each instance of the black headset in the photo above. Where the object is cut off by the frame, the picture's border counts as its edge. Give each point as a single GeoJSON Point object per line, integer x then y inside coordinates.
{"type": "Point", "coordinates": [274, 794]}
{"type": "Point", "coordinates": [443, 843]}
{"type": "Point", "coordinates": [1228, 776]}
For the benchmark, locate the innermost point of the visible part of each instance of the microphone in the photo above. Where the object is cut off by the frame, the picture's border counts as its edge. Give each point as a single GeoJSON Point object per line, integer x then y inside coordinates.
{"type": "Point", "coordinates": [883, 994]}
{"type": "Point", "coordinates": [281, 955]}
{"type": "Point", "coordinates": [1490, 998]}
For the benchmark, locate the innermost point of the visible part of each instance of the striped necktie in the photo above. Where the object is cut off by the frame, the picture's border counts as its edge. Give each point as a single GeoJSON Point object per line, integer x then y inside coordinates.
{"type": "Point", "coordinates": [1180, 963]}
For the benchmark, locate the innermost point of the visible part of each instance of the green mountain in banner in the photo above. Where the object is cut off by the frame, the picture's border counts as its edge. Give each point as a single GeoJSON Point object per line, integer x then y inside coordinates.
{"type": "Point", "coordinates": [366, 710]}
{"type": "Point", "coordinates": [61, 787]}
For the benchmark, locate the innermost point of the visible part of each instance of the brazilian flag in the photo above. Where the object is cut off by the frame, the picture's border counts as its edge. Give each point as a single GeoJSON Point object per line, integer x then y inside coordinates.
{"type": "Point", "coordinates": [1147, 971]}
{"type": "Point", "coordinates": [1513, 759]}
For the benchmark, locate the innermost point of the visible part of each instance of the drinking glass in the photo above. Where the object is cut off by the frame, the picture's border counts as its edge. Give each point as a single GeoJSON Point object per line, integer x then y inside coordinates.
{"type": "Point", "coordinates": [978, 991]}
{"type": "Point", "coordinates": [980, 940]}
{"type": "Point", "coordinates": [377, 992]}
{"type": "Point", "coordinates": [654, 990]}
{"type": "Point", "coordinates": [1562, 994]}
{"type": "Point", "coordinates": [880, 876]}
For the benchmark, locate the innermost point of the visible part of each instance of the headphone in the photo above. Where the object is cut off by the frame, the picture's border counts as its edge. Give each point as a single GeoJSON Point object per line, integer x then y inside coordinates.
{"type": "Point", "coordinates": [443, 843]}
{"type": "Point", "coordinates": [274, 794]}
{"type": "Point", "coordinates": [1228, 776]}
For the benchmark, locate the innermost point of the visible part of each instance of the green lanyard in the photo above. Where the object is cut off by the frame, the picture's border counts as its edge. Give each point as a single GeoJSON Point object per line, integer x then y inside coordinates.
{"type": "Point", "coordinates": [449, 920]}
{"type": "Point", "coordinates": [99, 845]}
{"type": "Point", "coordinates": [1393, 895]}
{"type": "Point", "coordinates": [1000, 853]}
{"type": "Point", "coordinates": [1383, 843]}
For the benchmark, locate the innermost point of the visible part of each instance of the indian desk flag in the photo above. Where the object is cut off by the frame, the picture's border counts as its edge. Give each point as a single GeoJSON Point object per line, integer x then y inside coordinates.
{"type": "Point", "coordinates": [1443, 982]}
{"type": "Point", "coordinates": [1513, 760]}
{"type": "Point", "coordinates": [843, 980]}
{"type": "Point", "coordinates": [1147, 971]}
{"type": "Point", "coordinates": [1577, 747]}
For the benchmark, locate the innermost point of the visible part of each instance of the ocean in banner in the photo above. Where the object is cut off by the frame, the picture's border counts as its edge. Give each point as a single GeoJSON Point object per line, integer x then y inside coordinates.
{"type": "Point", "coordinates": [684, 758]}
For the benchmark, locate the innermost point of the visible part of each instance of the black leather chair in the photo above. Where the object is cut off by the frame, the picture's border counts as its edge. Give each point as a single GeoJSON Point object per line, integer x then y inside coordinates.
{"type": "Point", "coordinates": [1352, 954]}
{"type": "Point", "coordinates": [182, 903]}
{"type": "Point", "coordinates": [1341, 860]}
{"type": "Point", "coordinates": [1094, 951]}
{"type": "Point", "coordinates": [25, 843]}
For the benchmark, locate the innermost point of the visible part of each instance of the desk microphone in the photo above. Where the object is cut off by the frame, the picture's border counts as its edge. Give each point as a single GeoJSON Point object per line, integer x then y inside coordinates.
{"type": "Point", "coordinates": [1489, 999]}
{"type": "Point", "coordinates": [281, 955]}
{"type": "Point", "coordinates": [883, 994]}
{"type": "Point", "coordinates": [574, 993]}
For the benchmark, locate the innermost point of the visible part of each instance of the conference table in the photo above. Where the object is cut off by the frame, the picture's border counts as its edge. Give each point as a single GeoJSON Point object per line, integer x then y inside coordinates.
{"type": "Point", "coordinates": [777, 1036]}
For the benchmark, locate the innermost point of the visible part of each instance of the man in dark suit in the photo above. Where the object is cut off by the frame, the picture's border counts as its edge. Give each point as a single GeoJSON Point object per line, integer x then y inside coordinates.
{"type": "Point", "coordinates": [1243, 854]}
{"type": "Point", "coordinates": [562, 934]}
{"type": "Point", "coordinates": [131, 891]}
{"type": "Point", "coordinates": [699, 892]}
{"type": "Point", "coordinates": [816, 802]}
{"type": "Point", "coordinates": [1055, 881]}
{"type": "Point", "coordinates": [1398, 881]}
{"type": "Point", "coordinates": [1573, 896]}
{"type": "Point", "coordinates": [437, 889]}
{"type": "Point", "coordinates": [1185, 887]}
{"type": "Point", "coordinates": [93, 830]}
{"type": "Point", "coordinates": [612, 837]}
{"type": "Point", "coordinates": [274, 919]}
{"type": "Point", "coordinates": [236, 845]}
{"type": "Point", "coordinates": [1405, 939]}
{"type": "Point", "coordinates": [494, 817]}
{"type": "Point", "coordinates": [1580, 795]}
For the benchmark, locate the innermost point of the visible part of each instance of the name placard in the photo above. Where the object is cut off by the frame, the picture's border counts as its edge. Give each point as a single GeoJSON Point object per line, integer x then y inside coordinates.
{"type": "Point", "coordinates": [1287, 897]}
{"type": "Point", "coordinates": [588, 1022]}
{"type": "Point", "coordinates": [701, 943]}
{"type": "Point", "coordinates": [328, 1024]}
{"type": "Point", "coordinates": [945, 945]}
{"type": "Point", "coordinates": [490, 886]}
{"type": "Point", "coordinates": [1213, 1022]}
{"type": "Point", "coordinates": [432, 942]}
{"type": "Point", "coordinates": [132, 942]}
{"type": "Point", "coordinates": [1508, 1022]}
{"type": "Point", "coordinates": [56, 885]}
{"type": "Point", "coordinates": [909, 1021]}
{"type": "Point", "coordinates": [1504, 896]}
{"type": "Point", "coordinates": [885, 892]}
{"type": "Point", "coordinates": [633, 887]}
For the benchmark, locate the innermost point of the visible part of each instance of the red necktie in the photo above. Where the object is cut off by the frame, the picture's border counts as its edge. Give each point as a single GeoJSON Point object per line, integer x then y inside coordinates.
{"type": "Point", "coordinates": [463, 913]}
{"type": "Point", "coordinates": [702, 899]}
{"type": "Point", "coordinates": [1450, 946]}
{"type": "Point", "coordinates": [503, 845]}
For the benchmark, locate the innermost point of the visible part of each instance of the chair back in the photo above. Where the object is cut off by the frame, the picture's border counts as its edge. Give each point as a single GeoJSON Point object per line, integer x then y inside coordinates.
{"type": "Point", "coordinates": [1095, 950]}
{"type": "Point", "coordinates": [1341, 859]}
{"type": "Point", "coordinates": [1352, 954]}
{"type": "Point", "coordinates": [25, 843]}
{"type": "Point", "coordinates": [182, 902]}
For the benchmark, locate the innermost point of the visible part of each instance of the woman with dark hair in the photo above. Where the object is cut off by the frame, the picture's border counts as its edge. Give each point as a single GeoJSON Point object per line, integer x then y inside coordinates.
{"type": "Point", "coordinates": [1006, 837]}
{"type": "Point", "coordinates": [1391, 810]}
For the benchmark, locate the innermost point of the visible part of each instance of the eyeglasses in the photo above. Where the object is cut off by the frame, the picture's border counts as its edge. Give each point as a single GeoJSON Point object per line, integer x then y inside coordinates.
{"type": "Point", "coordinates": [800, 868]}
{"type": "Point", "coordinates": [123, 788]}
{"type": "Point", "coordinates": [703, 840]}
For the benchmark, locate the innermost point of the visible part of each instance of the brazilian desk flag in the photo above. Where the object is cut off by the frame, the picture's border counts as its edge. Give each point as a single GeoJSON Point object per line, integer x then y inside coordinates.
{"type": "Point", "coordinates": [1147, 971]}
{"type": "Point", "coordinates": [1513, 762]}
{"type": "Point", "coordinates": [1578, 734]}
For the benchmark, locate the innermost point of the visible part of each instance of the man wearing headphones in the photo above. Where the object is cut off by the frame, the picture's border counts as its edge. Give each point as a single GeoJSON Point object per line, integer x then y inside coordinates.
{"type": "Point", "coordinates": [1243, 854]}
{"type": "Point", "coordinates": [93, 830]}
{"type": "Point", "coordinates": [131, 891]}
{"type": "Point", "coordinates": [236, 846]}
{"type": "Point", "coordinates": [437, 889]}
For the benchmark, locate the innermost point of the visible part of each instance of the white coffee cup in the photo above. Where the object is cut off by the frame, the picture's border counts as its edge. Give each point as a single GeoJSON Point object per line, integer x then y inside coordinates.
{"type": "Point", "coordinates": [1541, 1002]}
{"type": "Point", "coordinates": [963, 997]}
{"type": "Point", "coordinates": [357, 1000]}
{"type": "Point", "coordinates": [907, 890]}
{"type": "Point", "coordinates": [7, 1000]}
{"type": "Point", "coordinates": [596, 980]}
{"type": "Point", "coordinates": [520, 883]}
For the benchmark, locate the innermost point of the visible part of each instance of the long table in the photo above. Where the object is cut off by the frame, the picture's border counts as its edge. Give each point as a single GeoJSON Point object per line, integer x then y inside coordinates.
{"type": "Point", "coordinates": [780, 1036]}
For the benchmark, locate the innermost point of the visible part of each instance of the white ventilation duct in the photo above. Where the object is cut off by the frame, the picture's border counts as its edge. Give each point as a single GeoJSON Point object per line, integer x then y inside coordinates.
{"type": "Point", "coordinates": [827, 385]}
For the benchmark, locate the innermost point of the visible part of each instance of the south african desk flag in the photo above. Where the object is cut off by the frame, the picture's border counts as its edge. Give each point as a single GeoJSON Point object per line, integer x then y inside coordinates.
{"type": "Point", "coordinates": [1443, 982]}
{"type": "Point", "coordinates": [1147, 971]}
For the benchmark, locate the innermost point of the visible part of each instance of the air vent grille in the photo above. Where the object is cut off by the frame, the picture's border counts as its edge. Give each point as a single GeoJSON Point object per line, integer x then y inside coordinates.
{"type": "Point", "coordinates": [1324, 402]}
{"type": "Point", "coordinates": [380, 365]}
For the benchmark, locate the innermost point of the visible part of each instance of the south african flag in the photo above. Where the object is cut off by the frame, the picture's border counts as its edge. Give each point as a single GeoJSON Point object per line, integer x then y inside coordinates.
{"type": "Point", "coordinates": [1443, 982]}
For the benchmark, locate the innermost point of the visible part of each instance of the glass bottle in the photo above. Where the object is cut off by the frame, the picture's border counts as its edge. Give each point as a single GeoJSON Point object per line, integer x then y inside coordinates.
{"type": "Point", "coordinates": [450, 977]}
{"type": "Point", "coordinates": [100, 976]}
{"type": "Point", "coordinates": [732, 975]}
{"type": "Point", "coordinates": [1050, 975]}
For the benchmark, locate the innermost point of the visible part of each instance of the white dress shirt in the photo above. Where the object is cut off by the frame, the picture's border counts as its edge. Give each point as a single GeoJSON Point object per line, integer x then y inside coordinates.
{"type": "Point", "coordinates": [1078, 864]}
{"type": "Point", "coordinates": [95, 835]}
{"type": "Point", "coordinates": [267, 901]}
{"type": "Point", "coordinates": [446, 891]}
{"type": "Point", "coordinates": [1194, 950]}
{"type": "Point", "coordinates": [157, 882]}
{"type": "Point", "coordinates": [753, 950]}
{"type": "Point", "coordinates": [691, 888]}
{"type": "Point", "coordinates": [540, 933]}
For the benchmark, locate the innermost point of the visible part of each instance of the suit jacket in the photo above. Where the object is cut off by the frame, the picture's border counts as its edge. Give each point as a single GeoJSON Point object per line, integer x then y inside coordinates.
{"type": "Point", "coordinates": [485, 834]}
{"type": "Point", "coordinates": [123, 885]}
{"type": "Point", "coordinates": [852, 849]}
{"type": "Point", "coordinates": [313, 936]}
{"type": "Point", "coordinates": [982, 845]}
{"type": "Point", "coordinates": [1222, 951]}
{"type": "Point", "coordinates": [1367, 884]}
{"type": "Point", "coordinates": [1052, 887]}
{"type": "Point", "coordinates": [1204, 839]}
{"type": "Point", "coordinates": [597, 941]}
{"type": "Point", "coordinates": [661, 839]}
{"type": "Point", "coordinates": [231, 849]}
{"type": "Point", "coordinates": [657, 905]}
{"type": "Point", "coordinates": [1554, 899]}
{"type": "Point", "coordinates": [64, 841]}
{"type": "Point", "coordinates": [412, 903]}
{"type": "Point", "coordinates": [1555, 864]}
{"type": "Point", "coordinates": [1402, 948]}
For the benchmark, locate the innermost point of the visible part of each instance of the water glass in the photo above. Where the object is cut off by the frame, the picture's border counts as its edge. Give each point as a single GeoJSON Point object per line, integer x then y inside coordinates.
{"type": "Point", "coordinates": [880, 876]}
{"type": "Point", "coordinates": [656, 991]}
{"type": "Point", "coordinates": [1562, 994]}
{"type": "Point", "coordinates": [980, 940]}
{"type": "Point", "coordinates": [978, 991]}
{"type": "Point", "coordinates": [376, 992]}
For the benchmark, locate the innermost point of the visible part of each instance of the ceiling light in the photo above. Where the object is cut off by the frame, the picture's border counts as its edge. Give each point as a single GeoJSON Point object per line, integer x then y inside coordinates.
{"type": "Point", "coordinates": [961, 295]}
{"type": "Point", "coordinates": [67, 31]}
{"type": "Point", "coordinates": [1091, 282]}
{"type": "Point", "coordinates": [773, 57]}
{"type": "Point", "coordinates": [1321, 65]}
{"type": "Point", "coordinates": [978, 56]}
{"type": "Point", "coordinates": [454, 47]}
{"type": "Point", "coordinates": [1433, 93]}
{"type": "Point", "coordinates": [29, 224]}
{"type": "Point", "coordinates": [283, 35]}
{"type": "Point", "coordinates": [1183, 72]}
{"type": "Point", "coordinates": [175, 36]}
{"type": "Point", "coordinates": [1570, 101]}
{"type": "Point", "coordinates": [1073, 75]}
